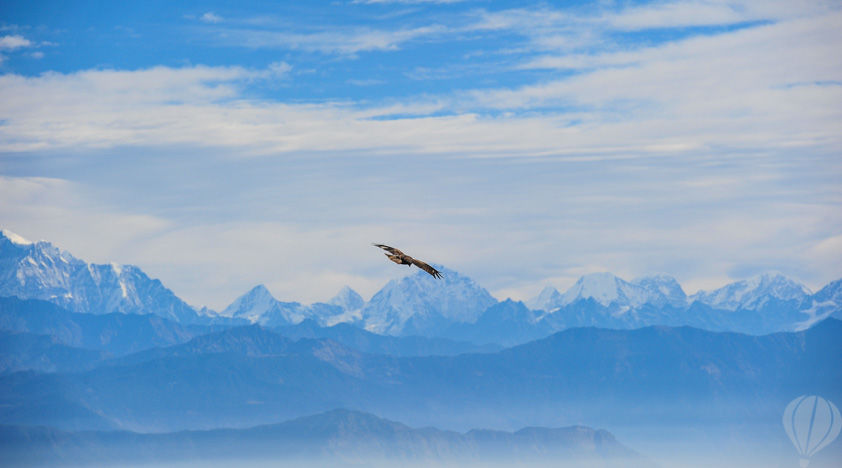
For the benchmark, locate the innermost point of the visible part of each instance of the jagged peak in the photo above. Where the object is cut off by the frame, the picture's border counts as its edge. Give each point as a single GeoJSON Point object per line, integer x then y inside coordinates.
{"type": "Point", "coordinates": [251, 304]}
{"type": "Point", "coordinates": [347, 298]}
{"type": "Point", "coordinates": [603, 287]}
{"type": "Point", "coordinates": [548, 298]}
{"type": "Point", "coordinates": [259, 290]}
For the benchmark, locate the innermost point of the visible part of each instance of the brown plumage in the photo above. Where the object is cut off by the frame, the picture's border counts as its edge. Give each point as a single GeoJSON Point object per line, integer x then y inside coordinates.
{"type": "Point", "coordinates": [403, 259]}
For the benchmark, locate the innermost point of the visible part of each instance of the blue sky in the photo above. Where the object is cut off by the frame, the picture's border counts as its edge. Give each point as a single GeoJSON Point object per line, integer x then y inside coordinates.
{"type": "Point", "coordinates": [221, 145]}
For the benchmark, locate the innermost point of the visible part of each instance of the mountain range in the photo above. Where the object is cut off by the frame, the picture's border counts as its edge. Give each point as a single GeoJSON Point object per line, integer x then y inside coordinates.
{"type": "Point", "coordinates": [243, 376]}
{"type": "Point", "coordinates": [100, 364]}
{"type": "Point", "coordinates": [455, 307]}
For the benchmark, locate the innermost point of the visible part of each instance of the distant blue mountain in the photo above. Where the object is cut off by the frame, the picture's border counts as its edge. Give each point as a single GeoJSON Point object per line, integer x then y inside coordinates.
{"type": "Point", "coordinates": [115, 334]}
{"type": "Point", "coordinates": [28, 351]}
{"type": "Point", "coordinates": [368, 342]}
{"type": "Point", "coordinates": [333, 438]}
{"type": "Point", "coordinates": [507, 323]}
{"type": "Point", "coordinates": [249, 376]}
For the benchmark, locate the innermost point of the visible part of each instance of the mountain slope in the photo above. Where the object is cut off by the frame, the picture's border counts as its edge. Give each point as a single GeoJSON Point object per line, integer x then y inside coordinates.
{"type": "Point", "coordinates": [28, 351]}
{"type": "Point", "coordinates": [38, 270]}
{"type": "Point", "coordinates": [605, 289]}
{"type": "Point", "coordinates": [753, 293]}
{"type": "Point", "coordinates": [825, 303]}
{"type": "Point", "coordinates": [549, 298]}
{"type": "Point", "coordinates": [764, 304]}
{"type": "Point", "coordinates": [372, 343]}
{"type": "Point", "coordinates": [260, 307]}
{"type": "Point", "coordinates": [419, 304]}
{"type": "Point", "coordinates": [114, 333]}
{"type": "Point", "coordinates": [507, 323]}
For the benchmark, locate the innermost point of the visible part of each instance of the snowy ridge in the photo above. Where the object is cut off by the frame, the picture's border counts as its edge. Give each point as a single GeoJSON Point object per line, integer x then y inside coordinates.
{"type": "Point", "coordinates": [259, 306]}
{"type": "Point", "coordinates": [763, 304]}
{"type": "Point", "coordinates": [753, 293]}
{"type": "Point", "coordinates": [347, 299]}
{"type": "Point", "coordinates": [251, 305]}
{"type": "Point", "coordinates": [39, 270]}
{"type": "Point", "coordinates": [825, 303]}
{"type": "Point", "coordinates": [662, 290]}
{"type": "Point", "coordinates": [549, 298]}
{"type": "Point", "coordinates": [611, 291]}
{"type": "Point", "coordinates": [607, 289]}
{"type": "Point", "coordinates": [14, 238]}
{"type": "Point", "coordinates": [419, 303]}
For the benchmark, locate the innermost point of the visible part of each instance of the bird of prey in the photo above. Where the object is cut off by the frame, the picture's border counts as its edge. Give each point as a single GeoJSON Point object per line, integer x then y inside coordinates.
{"type": "Point", "coordinates": [401, 258]}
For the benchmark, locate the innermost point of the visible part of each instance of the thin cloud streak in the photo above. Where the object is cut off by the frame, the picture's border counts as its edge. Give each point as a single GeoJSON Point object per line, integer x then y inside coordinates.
{"type": "Point", "coordinates": [348, 43]}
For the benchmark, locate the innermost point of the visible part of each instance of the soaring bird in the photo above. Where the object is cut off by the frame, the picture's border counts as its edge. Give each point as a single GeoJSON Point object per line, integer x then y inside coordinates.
{"type": "Point", "coordinates": [401, 258]}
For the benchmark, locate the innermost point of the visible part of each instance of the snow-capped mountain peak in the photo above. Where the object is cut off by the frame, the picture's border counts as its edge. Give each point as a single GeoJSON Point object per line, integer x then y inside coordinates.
{"type": "Point", "coordinates": [259, 306]}
{"type": "Point", "coordinates": [549, 298]}
{"type": "Point", "coordinates": [14, 238]}
{"type": "Point", "coordinates": [347, 299]}
{"type": "Point", "coordinates": [418, 303]}
{"type": "Point", "coordinates": [39, 270]}
{"type": "Point", "coordinates": [662, 289]}
{"type": "Point", "coordinates": [752, 293]}
{"type": "Point", "coordinates": [605, 289]}
{"type": "Point", "coordinates": [251, 305]}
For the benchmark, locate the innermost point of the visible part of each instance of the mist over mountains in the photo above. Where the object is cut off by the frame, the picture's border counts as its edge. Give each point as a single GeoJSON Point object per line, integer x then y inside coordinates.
{"type": "Point", "coordinates": [333, 438]}
{"type": "Point", "coordinates": [106, 348]}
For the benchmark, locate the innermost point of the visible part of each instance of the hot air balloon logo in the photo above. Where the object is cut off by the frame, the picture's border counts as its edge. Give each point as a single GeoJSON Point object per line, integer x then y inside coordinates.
{"type": "Point", "coordinates": [811, 422]}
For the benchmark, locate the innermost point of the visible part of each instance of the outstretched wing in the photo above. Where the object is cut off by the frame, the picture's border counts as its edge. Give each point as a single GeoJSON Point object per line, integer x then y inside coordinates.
{"type": "Point", "coordinates": [391, 250]}
{"type": "Point", "coordinates": [427, 268]}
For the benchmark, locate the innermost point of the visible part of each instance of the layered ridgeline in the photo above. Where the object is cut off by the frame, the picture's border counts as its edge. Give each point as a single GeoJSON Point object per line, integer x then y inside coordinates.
{"type": "Point", "coordinates": [454, 308]}
{"type": "Point", "coordinates": [334, 438]}
{"type": "Point", "coordinates": [249, 375]}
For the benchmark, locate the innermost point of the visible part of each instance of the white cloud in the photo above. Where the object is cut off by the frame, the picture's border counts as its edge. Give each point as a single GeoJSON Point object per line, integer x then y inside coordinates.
{"type": "Point", "coordinates": [46, 208]}
{"type": "Point", "coordinates": [728, 91]}
{"type": "Point", "coordinates": [14, 41]}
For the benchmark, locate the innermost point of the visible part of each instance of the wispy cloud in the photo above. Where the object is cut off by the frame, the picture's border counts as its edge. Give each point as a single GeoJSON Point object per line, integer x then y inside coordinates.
{"type": "Point", "coordinates": [403, 2]}
{"type": "Point", "coordinates": [210, 17]}
{"type": "Point", "coordinates": [338, 41]}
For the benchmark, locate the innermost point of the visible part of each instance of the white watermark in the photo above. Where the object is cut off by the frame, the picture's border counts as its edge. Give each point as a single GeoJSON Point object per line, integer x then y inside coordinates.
{"type": "Point", "coordinates": [811, 422]}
